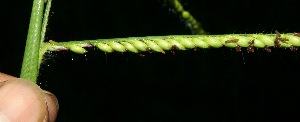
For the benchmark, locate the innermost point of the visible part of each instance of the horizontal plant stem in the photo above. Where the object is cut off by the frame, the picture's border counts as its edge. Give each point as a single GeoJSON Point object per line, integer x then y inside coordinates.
{"type": "Point", "coordinates": [178, 42]}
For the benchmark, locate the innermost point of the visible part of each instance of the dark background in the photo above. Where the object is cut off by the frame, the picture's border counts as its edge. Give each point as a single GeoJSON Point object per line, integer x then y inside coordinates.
{"type": "Point", "coordinates": [202, 85]}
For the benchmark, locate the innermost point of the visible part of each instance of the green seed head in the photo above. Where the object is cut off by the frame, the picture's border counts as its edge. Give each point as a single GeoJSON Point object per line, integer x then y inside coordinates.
{"type": "Point", "coordinates": [104, 47]}
{"type": "Point", "coordinates": [129, 47]}
{"type": "Point", "coordinates": [77, 49]}
{"type": "Point", "coordinates": [200, 43]}
{"type": "Point", "coordinates": [139, 45]}
{"type": "Point", "coordinates": [266, 40]}
{"type": "Point", "coordinates": [176, 43]}
{"type": "Point", "coordinates": [116, 46]}
{"type": "Point", "coordinates": [225, 40]}
{"type": "Point", "coordinates": [180, 42]}
{"type": "Point", "coordinates": [186, 14]}
{"type": "Point", "coordinates": [294, 40]}
{"type": "Point", "coordinates": [213, 41]}
{"type": "Point", "coordinates": [258, 44]}
{"type": "Point", "coordinates": [163, 44]}
{"type": "Point", "coordinates": [243, 41]}
{"type": "Point", "coordinates": [186, 43]}
{"type": "Point", "coordinates": [154, 46]}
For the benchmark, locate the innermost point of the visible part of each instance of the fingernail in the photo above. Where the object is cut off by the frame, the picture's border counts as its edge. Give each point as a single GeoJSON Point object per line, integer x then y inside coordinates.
{"type": "Point", "coordinates": [52, 105]}
{"type": "Point", "coordinates": [53, 97]}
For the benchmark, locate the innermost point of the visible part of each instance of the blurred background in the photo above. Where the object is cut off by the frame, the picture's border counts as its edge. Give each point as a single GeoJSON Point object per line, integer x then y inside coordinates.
{"type": "Point", "coordinates": [193, 85]}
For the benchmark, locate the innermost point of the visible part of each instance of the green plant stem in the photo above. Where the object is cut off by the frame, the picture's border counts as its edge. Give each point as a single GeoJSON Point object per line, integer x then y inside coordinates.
{"type": "Point", "coordinates": [193, 23]}
{"type": "Point", "coordinates": [44, 25]}
{"type": "Point", "coordinates": [179, 42]}
{"type": "Point", "coordinates": [45, 20]}
{"type": "Point", "coordinates": [31, 54]}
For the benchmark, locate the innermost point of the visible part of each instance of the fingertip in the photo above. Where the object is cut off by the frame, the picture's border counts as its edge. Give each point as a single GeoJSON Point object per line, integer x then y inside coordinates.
{"type": "Point", "coordinates": [22, 100]}
{"type": "Point", "coordinates": [5, 77]}
{"type": "Point", "coordinates": [15, 91]}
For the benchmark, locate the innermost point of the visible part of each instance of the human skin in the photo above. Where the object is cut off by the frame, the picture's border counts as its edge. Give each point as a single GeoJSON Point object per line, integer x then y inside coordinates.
{"type": "Point", "coordinates": [22, 100]}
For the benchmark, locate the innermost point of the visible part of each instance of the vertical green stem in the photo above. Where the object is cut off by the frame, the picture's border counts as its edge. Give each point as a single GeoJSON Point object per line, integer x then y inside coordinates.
{"type": "Point", "coordinates": [44, 27]}
{"type": "Point", "coordinates": [45, 21]}
{"type": "Point", "coordinates": [31, 55]}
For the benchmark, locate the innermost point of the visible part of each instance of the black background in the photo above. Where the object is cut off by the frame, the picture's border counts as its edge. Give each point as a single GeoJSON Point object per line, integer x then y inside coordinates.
{"type": "Point", "coordinates": [202, 85]}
